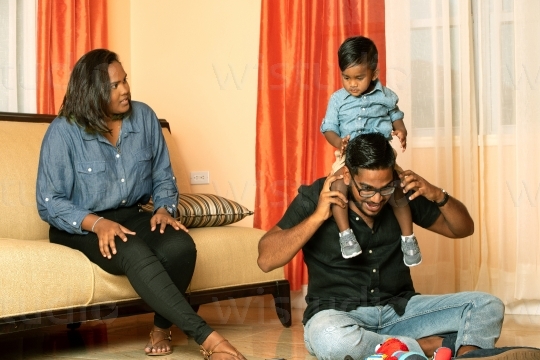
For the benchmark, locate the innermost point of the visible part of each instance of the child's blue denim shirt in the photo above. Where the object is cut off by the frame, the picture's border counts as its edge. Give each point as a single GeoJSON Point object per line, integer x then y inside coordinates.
{"type": "Point", "coordinates": [372, 112]}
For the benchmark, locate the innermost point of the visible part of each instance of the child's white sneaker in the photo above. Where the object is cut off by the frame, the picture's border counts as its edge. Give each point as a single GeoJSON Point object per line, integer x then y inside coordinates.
{"type": "Point", "coordinates": [349, 246]}
{"type": "Point", "coordinates": [411, 250]}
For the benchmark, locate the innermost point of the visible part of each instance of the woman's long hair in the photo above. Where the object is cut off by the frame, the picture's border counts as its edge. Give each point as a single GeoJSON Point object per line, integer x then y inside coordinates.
{"type": "Point", "coordinates": [88, 92]}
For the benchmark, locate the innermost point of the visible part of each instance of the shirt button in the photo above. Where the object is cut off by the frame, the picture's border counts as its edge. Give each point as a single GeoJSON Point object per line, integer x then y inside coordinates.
{"type": "Point", "coordinates": [46, 199]}
{"type": "Point", "coordinates": [363, 109]}
{"type": "Point", "coordinates": [117, 155]}
{"type": "Point", "coordinates": [174, 205]}
{"type": "Point", "coordinates": [89, 169]}
{"type": "Point", "coordinates": [122, 180]}
{"type": "Point", "coordinates": [374, 270]}
{"type": "Point", "coordinates": [357, 218]}
{"type": "Point", "coordinates": [123, 201]}
{"type": "Point", "coordinates": [371, 251]}
{"type": "Point", "coordinates": [174, 178]}
{"type": "Point", "coordinates": [364, 97]}
{"type": "Point", "coordinates": [74, 223]}
{"type": "Point", "coordinates": [372, 290]}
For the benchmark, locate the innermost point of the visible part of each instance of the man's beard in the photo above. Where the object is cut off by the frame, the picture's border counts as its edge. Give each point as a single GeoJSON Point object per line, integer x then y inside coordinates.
{"type": "Point", "coordinates": [358, 204]}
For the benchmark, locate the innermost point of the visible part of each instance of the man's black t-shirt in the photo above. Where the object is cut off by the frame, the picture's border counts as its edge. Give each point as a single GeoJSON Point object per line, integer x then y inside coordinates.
{"type": "Point", "coordinates": [378, 276]}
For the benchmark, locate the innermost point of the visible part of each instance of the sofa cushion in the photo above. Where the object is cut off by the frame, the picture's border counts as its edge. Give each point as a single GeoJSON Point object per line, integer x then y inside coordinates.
{"type": "Point", "coordinates": [226, 256]}
{"type": "Point", "coordinates": [38, 276]}
{"type": "Point", "coordinates": [19, 152]}
{"type": "Point", "coordinates": [201, 210]}
{"type": "Point", "coordinates": [111, 288]}
{"type": "Point", "coordinates": [205, 210]}
{"type": "Point", "coordinates": [235, 262]}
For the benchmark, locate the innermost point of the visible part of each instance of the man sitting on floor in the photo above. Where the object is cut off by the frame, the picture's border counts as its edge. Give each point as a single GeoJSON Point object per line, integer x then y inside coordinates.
{"type": "Point", "coordinates": [355, 304]}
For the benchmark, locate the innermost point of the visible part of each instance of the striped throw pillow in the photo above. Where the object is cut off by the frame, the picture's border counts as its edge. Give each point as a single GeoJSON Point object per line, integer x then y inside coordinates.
{"type": "Point", "coordinates": [203, 210]}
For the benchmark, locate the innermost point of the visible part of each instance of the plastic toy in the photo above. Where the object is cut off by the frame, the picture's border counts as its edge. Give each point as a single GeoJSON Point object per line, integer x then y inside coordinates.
{"type": "Point", "coordinates": [395, 349]}
{"type": "Point", "coordinates": [442, 353]}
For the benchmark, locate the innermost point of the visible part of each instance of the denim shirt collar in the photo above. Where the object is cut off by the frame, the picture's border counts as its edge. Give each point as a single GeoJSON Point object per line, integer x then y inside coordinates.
{"type": "Point", "coordinates": [127, 127]}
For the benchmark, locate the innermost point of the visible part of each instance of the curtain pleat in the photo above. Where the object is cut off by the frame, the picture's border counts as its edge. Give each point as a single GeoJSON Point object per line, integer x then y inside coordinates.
{"type": "Point", "coordinates": [18, 55]}
{"type": "Point", "coordinates": [67, 29]}
{"type": "Point", "coordinates": [297, 74]}
{"type": "Point", "coordinates": [467, 77]}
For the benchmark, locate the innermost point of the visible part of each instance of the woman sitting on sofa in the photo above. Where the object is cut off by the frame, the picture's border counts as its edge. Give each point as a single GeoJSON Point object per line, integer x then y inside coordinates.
{"type": "Point", "coordinates": [100, 158]}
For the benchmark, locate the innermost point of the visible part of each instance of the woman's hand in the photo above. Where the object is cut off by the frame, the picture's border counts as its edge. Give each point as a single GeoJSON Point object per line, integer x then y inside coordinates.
{"type": "Point", "coordinates": [163, 218]}
{"type": "Point", "coordinates": [106, 231]}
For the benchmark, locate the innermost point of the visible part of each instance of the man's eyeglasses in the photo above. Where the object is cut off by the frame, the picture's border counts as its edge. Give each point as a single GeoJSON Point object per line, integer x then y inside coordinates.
{"type": "Point", "coordinates": [385, 191]}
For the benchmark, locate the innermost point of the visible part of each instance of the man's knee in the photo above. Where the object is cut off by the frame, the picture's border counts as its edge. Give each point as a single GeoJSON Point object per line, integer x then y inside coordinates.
{"type": "Point", "coordinates": [326, 343]}
{"type": "Point", "coordinates": [332, 334]}
{"type": "Point", "coordinates": [490, 303]}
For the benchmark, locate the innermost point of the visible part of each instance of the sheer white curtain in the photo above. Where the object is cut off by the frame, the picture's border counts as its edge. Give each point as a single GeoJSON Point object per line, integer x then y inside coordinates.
{"type": "Point", "coordinates": [18, 56]}
{"type": "Point", "coordinates": [508, 63]}
{"type": "Point", "coordinates": [468, 76]}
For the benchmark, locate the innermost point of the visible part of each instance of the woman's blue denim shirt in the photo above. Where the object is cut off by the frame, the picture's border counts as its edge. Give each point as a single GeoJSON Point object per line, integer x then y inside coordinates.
{"type": "Point", "coordinates": [372, 112]}
{"type": "Point", "coordinates": [81, 173]}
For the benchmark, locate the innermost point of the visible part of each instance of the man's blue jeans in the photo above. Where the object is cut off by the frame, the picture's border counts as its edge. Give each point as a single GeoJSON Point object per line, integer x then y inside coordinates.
{"type": "Point", "coordinates": [476, 317]}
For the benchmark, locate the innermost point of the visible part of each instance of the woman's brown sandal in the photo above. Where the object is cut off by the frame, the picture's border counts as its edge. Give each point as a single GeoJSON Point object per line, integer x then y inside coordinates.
{"type": "Point", "coordinates": [207, 354]}
{"type": "Point", "coordinates": [169, 337]}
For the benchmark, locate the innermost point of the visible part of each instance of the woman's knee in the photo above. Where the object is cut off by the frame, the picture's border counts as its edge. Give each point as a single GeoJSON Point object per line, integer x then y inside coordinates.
{"type": "Point", "coordinates": [177, 246]}
{"type": "Point", "coordinates": [132, 254]}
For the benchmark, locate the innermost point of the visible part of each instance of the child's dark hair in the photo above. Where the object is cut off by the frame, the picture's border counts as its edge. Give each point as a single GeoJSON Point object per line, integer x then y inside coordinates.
{"type": "Point", "coordinates": [358, 50]}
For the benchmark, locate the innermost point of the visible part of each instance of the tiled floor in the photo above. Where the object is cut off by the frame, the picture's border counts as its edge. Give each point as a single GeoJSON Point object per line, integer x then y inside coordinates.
{"type": "Point", "coordinates": [251, 326]}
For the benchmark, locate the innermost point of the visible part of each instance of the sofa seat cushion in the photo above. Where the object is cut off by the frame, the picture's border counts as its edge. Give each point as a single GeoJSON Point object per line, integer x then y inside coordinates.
{"type": "Point", "coordinates": [39, 276]}
{"type": "Point", "coordinates": [111, 288]}
{"type": "Point", "coordinates": [230, 258]}
{"type": "Point", "coordinates": [31, 271]}
{"type": "Point", "coordinates": [226, 256]}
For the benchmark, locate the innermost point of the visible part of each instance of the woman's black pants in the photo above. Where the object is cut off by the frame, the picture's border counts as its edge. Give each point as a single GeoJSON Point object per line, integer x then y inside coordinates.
{"type": "Point", "coordinates": [158, 266]}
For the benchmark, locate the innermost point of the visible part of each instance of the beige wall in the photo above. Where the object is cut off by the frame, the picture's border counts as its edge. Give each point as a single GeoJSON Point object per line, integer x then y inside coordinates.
{"type": "Point", "coordinates": [119, 20]}
{"type": "Point", "coordinates": [195, 63]}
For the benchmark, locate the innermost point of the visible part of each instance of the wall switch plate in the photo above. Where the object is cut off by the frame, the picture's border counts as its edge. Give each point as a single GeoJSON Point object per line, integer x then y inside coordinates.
{"type": "Point", "coordinates": [200, 177]}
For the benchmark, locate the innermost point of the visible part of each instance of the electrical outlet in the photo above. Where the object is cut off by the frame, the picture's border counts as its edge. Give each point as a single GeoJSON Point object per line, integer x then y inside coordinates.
{"type": "Point", "coordinates": [200, 177]}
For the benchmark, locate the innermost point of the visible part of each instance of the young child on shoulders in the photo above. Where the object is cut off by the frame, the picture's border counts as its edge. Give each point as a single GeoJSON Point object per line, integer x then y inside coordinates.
{"type": "Point", "coordinates": [364, 105]}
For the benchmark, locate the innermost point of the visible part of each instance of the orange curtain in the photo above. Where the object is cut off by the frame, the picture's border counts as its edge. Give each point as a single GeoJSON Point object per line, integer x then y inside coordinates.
{"type": "Point", "coordinates": [298, 72]}
{"type": "Point", "coordinates": [66, 30]}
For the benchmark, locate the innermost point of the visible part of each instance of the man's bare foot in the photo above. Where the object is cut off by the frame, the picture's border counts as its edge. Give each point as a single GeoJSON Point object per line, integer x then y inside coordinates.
{"type": "Point", "coordinates": [216, 347]}
{"type": "Point", "coordinates": [429, 344]}
{"type": "Point", "coordinates": [160, 342]}
{"type": "Point", "coordinates": [465, 349]}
